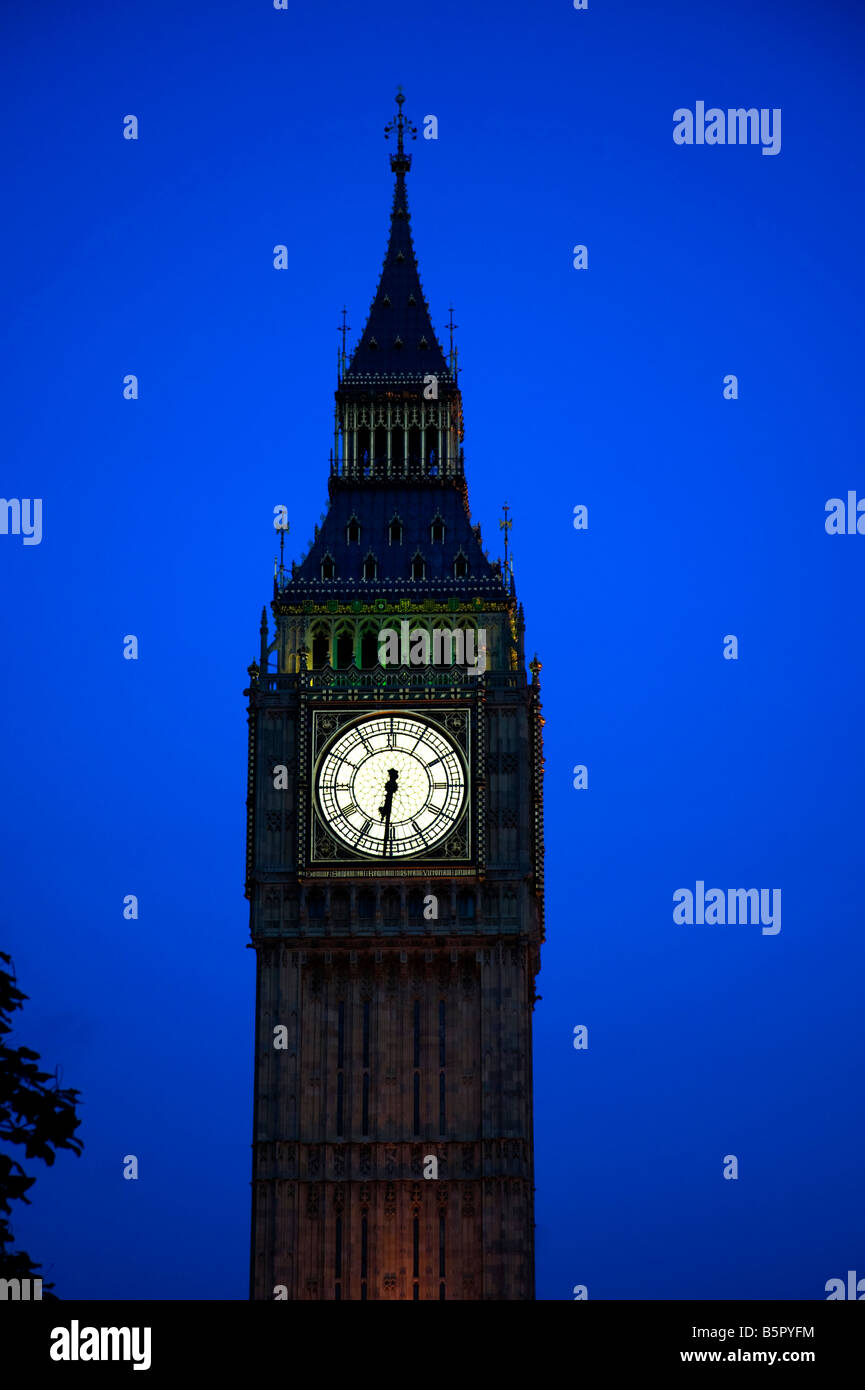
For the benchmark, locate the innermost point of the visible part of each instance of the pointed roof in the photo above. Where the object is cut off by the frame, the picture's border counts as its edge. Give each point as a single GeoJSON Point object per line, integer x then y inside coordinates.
{"type": "Point", "coordinates": [399, 343]}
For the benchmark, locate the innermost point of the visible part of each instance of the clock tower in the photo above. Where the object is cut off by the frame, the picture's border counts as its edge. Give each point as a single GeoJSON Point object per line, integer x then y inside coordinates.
{"type": "Point", "coordinates": [394, 855]}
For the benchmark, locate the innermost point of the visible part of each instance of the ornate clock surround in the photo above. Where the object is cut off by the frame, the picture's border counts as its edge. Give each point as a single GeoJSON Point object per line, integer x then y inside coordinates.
{"type": "Point", "coordinates": [457, 850]}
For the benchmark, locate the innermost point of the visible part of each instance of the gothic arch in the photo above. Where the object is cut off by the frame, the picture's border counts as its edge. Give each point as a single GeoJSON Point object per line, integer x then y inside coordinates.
{"type": "Point", "coordinates": [319, 644]}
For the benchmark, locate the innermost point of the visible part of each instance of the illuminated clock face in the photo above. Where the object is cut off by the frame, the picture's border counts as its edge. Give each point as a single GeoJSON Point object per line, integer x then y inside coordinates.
{"type": "Point", "coordinates": [390, 786]}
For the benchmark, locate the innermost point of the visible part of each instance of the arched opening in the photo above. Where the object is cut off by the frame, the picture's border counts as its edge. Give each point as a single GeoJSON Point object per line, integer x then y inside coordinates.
{"type": "Point", "coordinates": [461, 567]}
{"type": "Point", "coordinates": [437, 530]}
{"type": "Point", "coordinates": [466, 905]}
{"type": "Point", "coordinates": [344, 650]}
{"type": "Point", "coordinates": [328, 568]}
{"type": "Point", "coordinates": [320, 650]}
{"type": "Point", "coordinates": [397, 448]}
{"type": "Point", "coordinates": [394, 532]}
{"type": "Point", "coordinates": [366, 905]}
{"type": "Point", "coordinates": [418, 567]}
{"type": "Point", "coordinates": [390, 907]}
{"type": "Point", "coordinates": [352, 532]}
{"type": "Point", "coordinates": [380, 449]}
{"type": "Point", "coordinates": [370, 568]}
{"type": "Point", "coordinates": [414, 446]}
{"type": "Point", "coordinates": [369, 650]}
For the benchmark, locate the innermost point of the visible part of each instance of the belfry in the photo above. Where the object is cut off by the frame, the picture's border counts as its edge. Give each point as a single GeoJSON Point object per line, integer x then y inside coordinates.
{"type": "Point", "coordinates": [394, 864]}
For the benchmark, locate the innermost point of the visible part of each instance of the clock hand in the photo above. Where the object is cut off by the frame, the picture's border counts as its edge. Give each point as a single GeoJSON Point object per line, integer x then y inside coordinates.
{"type": "Point", "coordinates": [384, 811]}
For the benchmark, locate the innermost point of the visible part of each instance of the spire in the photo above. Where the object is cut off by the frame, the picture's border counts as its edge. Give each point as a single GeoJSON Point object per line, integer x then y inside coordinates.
{"type": "Point", "coordinates": [398, 343]}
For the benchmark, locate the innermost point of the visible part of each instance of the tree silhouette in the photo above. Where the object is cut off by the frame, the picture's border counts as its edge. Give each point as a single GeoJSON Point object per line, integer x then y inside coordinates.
{"type": "Point", "coordinates": [34, 1113]}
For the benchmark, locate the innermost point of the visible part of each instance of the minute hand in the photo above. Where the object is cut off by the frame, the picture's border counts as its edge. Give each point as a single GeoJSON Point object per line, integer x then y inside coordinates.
{"type": "Point", "coordinates": [385, 810]}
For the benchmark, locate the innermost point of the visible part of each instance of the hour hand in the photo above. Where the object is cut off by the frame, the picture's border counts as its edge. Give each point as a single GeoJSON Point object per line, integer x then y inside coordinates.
{"type": "Point", "coordinates": [389, 789]}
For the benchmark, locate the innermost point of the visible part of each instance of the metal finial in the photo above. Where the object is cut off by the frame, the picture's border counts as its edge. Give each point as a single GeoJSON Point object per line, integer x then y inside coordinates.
{"type": "Point", "coordinates": [451, 326]}
{"type": "Point", "coordinates": [506, 526]}
{"type": "Point", "coordinates": [343, 328]}
{"type": "Point", "coordinates": [281, 571]}
{"type": "Point", "coordinates": [400, 162]}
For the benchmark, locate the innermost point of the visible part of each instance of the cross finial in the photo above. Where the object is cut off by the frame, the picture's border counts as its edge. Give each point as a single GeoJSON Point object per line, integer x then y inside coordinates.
{"type": "Point", "coordinates": [451, 326]}
{"type": "Point", "coordinates": [343, 328]}
{"type": "Point", "coordinates": [506, 526]}
{"type": "Point", "coordinates": [400, 162]}
{"type": "Point", "coordinates": [280, 572]}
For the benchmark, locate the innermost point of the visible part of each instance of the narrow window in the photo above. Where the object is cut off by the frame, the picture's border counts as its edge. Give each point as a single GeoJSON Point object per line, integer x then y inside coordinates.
{"type": "Point", "coordinates": [438, 529]}
{"type": "Point", "coordinates": [320, 651]}
{"type": "Point", "coordinates": [394, 534]}
{"type": "Point", "coordinates": [416, 1079]}
{"type": "Point", "coordinates": [415, 1242]}
{"type": "Point", "coordinates": [418, 567]}
{"type": "Point", "coordinates": [370, 568]}
{"type": "Point", "coordinates": [365, 1120]}
{"type": "Point", "coordinates": [340, 1059]}
{"type": "Point", "coordinates": [442, 1125]}
{"type": "Point", "coordinates": [353, 532]}
{"type": "Point", "coordinates": [363, 1231]}
{"type": "Point", "coordinates": [442, 1248]}
{"type": "Point", "coordinates": [328, 568]}
{"type": "Point", "coordinates": [461, 567]}
{"type": "Point", "coordinates": [344, 651]}
{"type": "Point", "coordinates": [369, 650]}
{"type": "Point", "coordinates": [338, 1253]}
{"type": "Point", "coordinates": [466, 905]}
{"type": "Point", "coordinates": [366, 1034]}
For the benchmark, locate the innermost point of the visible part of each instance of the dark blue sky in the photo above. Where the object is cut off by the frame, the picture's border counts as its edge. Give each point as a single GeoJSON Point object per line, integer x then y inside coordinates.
{"type": "Point", "coordinates": [601, 387]}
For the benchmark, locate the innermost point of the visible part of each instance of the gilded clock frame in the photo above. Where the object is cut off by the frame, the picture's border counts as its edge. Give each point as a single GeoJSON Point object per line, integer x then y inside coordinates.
{"type": "Point", "coordinates": [456, 848]}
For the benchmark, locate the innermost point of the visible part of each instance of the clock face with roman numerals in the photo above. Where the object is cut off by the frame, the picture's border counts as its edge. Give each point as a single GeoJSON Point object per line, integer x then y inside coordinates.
{"type": "Point", "coordinates": [390, 786]}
